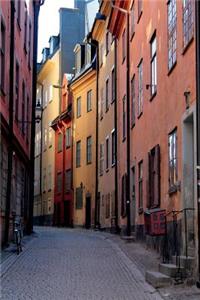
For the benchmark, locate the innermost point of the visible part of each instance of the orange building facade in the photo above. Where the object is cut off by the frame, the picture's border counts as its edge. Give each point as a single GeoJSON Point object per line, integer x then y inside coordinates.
{"type": "Point", "coordinates": [162, 131]}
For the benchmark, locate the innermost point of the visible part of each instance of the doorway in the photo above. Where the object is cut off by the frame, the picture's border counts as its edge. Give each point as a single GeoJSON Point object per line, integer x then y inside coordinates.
{"type": "Point", "coordinates": [133, 205]}
{"type": "Point", "coordinates": [88, 212]}
{"type": "Point", "coordinates": [188, 182]}
{"type": "Point", "coordinates": [67, 214]}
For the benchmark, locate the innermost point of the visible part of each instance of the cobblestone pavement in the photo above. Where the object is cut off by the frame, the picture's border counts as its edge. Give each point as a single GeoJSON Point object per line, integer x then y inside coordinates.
{"type": "Point", "coordinates": [74, 264]}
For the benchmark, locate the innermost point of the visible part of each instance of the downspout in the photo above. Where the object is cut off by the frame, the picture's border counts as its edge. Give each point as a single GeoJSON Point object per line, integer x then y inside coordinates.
{"type": "Point", "coordinates": [128, 128]}
{"type": "Point", "coordinates": [10, 136]}
{"type": "Point", "coordinates": [117, 229]}
{"type": "Point", "coordinates": [97, 200]}
{"type": "Point", "coordinates": [197, 25]}
{"type": "Point", "coordinates": [41, 140]}
{"type": "Point", "coordinates": [36, 9]}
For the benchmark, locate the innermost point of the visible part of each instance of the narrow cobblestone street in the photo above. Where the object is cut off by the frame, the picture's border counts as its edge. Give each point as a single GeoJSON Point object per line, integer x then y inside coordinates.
{"type": "Point", "coordinates": [74, 264]}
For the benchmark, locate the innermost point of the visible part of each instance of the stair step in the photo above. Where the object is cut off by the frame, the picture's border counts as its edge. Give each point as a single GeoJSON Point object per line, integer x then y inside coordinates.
{"type": "Point", "coordinates": [157, 279]}
{"type": "Point", "coordinates": [171, 270]}
{"type": "Point", "coordinates": [185, 262]}
{"type": "Point", "coordinates": [128, 238]}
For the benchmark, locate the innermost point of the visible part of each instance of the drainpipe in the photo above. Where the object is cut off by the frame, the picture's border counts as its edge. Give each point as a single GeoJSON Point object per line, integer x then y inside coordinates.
{"type": "Point", "coordinates": [117, 229]}
{"type": "Point", "coordinates": [127, 13]}
{"type": "Point", "coordinates": [36, 9]}
{"type": "Point", "coordinates": [10, 135]}
{"type": "Point", "coordinates": [197, 24]}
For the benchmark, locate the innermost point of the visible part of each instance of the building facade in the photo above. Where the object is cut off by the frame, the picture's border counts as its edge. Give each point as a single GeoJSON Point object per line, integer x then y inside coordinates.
{"type": "Point", "coordinates": [63, 191]}
{"type": "Point", "coordinates": [57, 60]}
{"type": "Point", "coordinates": [162, 127]}
{"type": "Point", "coordinates": [106, 118]}
{"type": "Point", "coordinates": [16, 101]}
{"type": "Point", "coordinates": [83, 88]}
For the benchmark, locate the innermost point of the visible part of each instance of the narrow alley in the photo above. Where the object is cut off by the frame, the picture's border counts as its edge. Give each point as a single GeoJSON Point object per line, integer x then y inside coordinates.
{"type": "Point", "coordinates": [74, 264]}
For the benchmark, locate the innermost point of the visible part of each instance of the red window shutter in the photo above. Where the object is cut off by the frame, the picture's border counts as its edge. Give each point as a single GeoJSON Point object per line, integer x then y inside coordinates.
{"type": "Point", "coordinates": [157, 177]}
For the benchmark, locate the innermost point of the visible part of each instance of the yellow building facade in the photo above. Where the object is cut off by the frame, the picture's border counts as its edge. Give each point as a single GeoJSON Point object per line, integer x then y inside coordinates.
{"type": "Point", "coordinates": [83, 88]}
{"type": "Point", "coordinates": [106, 119]}
{"type": "Point", "coordinates": [48, 97]}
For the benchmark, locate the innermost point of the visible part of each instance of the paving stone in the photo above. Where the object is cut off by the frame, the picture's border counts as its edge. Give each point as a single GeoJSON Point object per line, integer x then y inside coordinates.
{"type": "Point", "coordinates": [68, 264]}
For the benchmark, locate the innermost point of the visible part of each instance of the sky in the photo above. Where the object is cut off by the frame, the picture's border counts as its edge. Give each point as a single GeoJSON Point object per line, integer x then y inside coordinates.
{"type": "Point", "coordinates": [49, 20]}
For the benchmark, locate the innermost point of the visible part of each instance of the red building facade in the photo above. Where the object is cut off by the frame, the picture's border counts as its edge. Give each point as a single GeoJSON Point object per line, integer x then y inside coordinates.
{"type": "Point", "coordinates": [63, 193]}
{"type": "Point", "coordinates": [160, 100]}
{"type": "Point", "coordinates": [16, 98]}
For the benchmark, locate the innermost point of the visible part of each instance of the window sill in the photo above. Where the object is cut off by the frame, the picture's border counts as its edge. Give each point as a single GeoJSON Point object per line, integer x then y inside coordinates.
{"type": "Point", "coordinates": [2, 93]}
{"type": "Point", "coordinates": [188, 45]}
{"type": "Point", "coordinates": [132, 35]}
{"type": "Point", "coordinates": [89, 163]}
{"type": "Point", "coordinates": [19, 26]}
{"type": "Point", "coordinates": [107, 53]}
{"type": "Point", "coordinates": [123, 140]}
{"type": "Point", "coordinates": [107, 109]}
{"type": "Point", "coordinates": [153, 96]}
{"type": "Point", "coordinates": [59, 151]}
{"type": "Point", "coordinates": [107, 170]}
{"type": "Point", "coordinates": [172, 68]}
{"type": "Point", "coordinates": [112, 101]}
{"type": "Point", "coordinates": [140, 210]}
{"type": "Point", "coordinates": [172, 189]}
{"type": "Point", "coordinates": [68, 147]}
{"type": "Point", "coordinates": [78, 166]}
{"type": "Point", "coordinates": [139, 116]}
{"type": "Point", "coordinates": [139, 17]}
{"type": "Point", "coordinates": [132, 125]}
{"type": "Point", "coordinates": [50, 146]}
{"type": "Point", "coordinates": [123, 60]}
{"type": "Point", "coordinates": [25, 50]}
{"type": "Point", "coordinates": [89, 110]}
{"type": "Point", "coordinates": [78, 117]}
{"type": "Point", "coordinates": [49, 190]}
{"type": "Point", "coordinates": [113, 165]}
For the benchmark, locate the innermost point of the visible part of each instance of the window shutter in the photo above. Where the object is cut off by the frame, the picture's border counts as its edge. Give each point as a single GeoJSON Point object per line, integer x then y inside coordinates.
{"type": "Point", "coordinates": [149, 182]}
{"type": "Point", "coordinates": [157, 177]}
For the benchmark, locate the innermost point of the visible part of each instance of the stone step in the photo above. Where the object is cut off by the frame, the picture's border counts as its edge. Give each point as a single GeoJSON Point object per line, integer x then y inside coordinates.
{"type": "Point", "coordinates": [127, 238]}
{"type": "Point", "coordinates": [171, 270]}
{"type": "Point", "coordinates": [185, 262]}
{"type": "Point", "coordinates": [157, 279]}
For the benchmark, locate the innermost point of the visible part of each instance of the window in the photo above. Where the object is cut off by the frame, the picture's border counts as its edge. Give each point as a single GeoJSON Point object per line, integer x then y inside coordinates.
{"type": "Point", "coordinates": [101, 159]}
{"type": "Point", "coordinates": [113, 147]}
{"type": "Point", "coordinates": [153, 195]}
{"type": "Point", "coordinates": [78, 107]}
{"type": "Point", "coordinates": [107, 42]}
{"type": "Point", "coordinates": [3, 43]}
{"type": "Point", "coordinates": [133, 101]}
{"type": "Point", "coordinates": [124, 119]}
{"type": "Point", "coordinates": [29, 45]}
{"type": "Point", "coordinates": [45, 98]}
{"type": "Point", "coordinates": [50, 137]}
{"type": "Point", "coordinates": [50, 93]}
{"type": "Point", "coordinates": [27, 119]}
{"type": "Point", "coordinates": [139, 9]}
{"type": "Point", "coordinates": [113, 85]}
{"type": "Point", "coordinates": [59, 182]}
{"type": "Point", "coordinates": [123, 195]}
{"type": "Point", "coordinates": [140, 184]}
{"type": "Point", "coordinates": [107, 95]}
{"type": "Point", "coordinates": [79, 198]}
{"type": "Point", "coordinates": [68, 137]}
{"type": "Point", "coordinates": [171, 7]}
{"type": "Point", "coordinates": [140, 88]}
{"type": "Point", "coordinates": [89, 150]}
{"type": "Point", "coordinates": [188, 21]}
{"type": "Point", "coordinates": [89, 100]}
{"type": "Point", "coordinates": [68, 179]}
{"type": "Point", "coordinates": [49, 182]}
{"type": "Point", "coordinates": [23, 108]}
{"type": "Point", "coordinates": [60, 141]}
{"type": "Point", "coordinates": [101, 104]}
{"type": "Point", "coordinates": [16, 91]}
{"type": "Point", "coordinates": [101, 55]}
{"type": "Point", "coordinates": [25, 30]}
{"type": "Point", "coordinates": [108, 206]}
{"type": "Point", "coordinates": [153, 65]}
{"type": "Point", "coordinates": [132, 17]}
{"type": "Point", "coordinates": [44, 185]}
{"type": "Point", "coordinates": [107, 153]}
{"type": "Point", "coordinates": [123, 45]}
{"type": "Point", "coordinates": [173, 166]}
{"type": "Point", "coordinates": [18, 12]}
{"type": "Point", "coordinates": [45, 139]}
{"type": "Point", "coordinates": [78, 61]}
{"type": "Point", "coordinates": [78, 154]}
